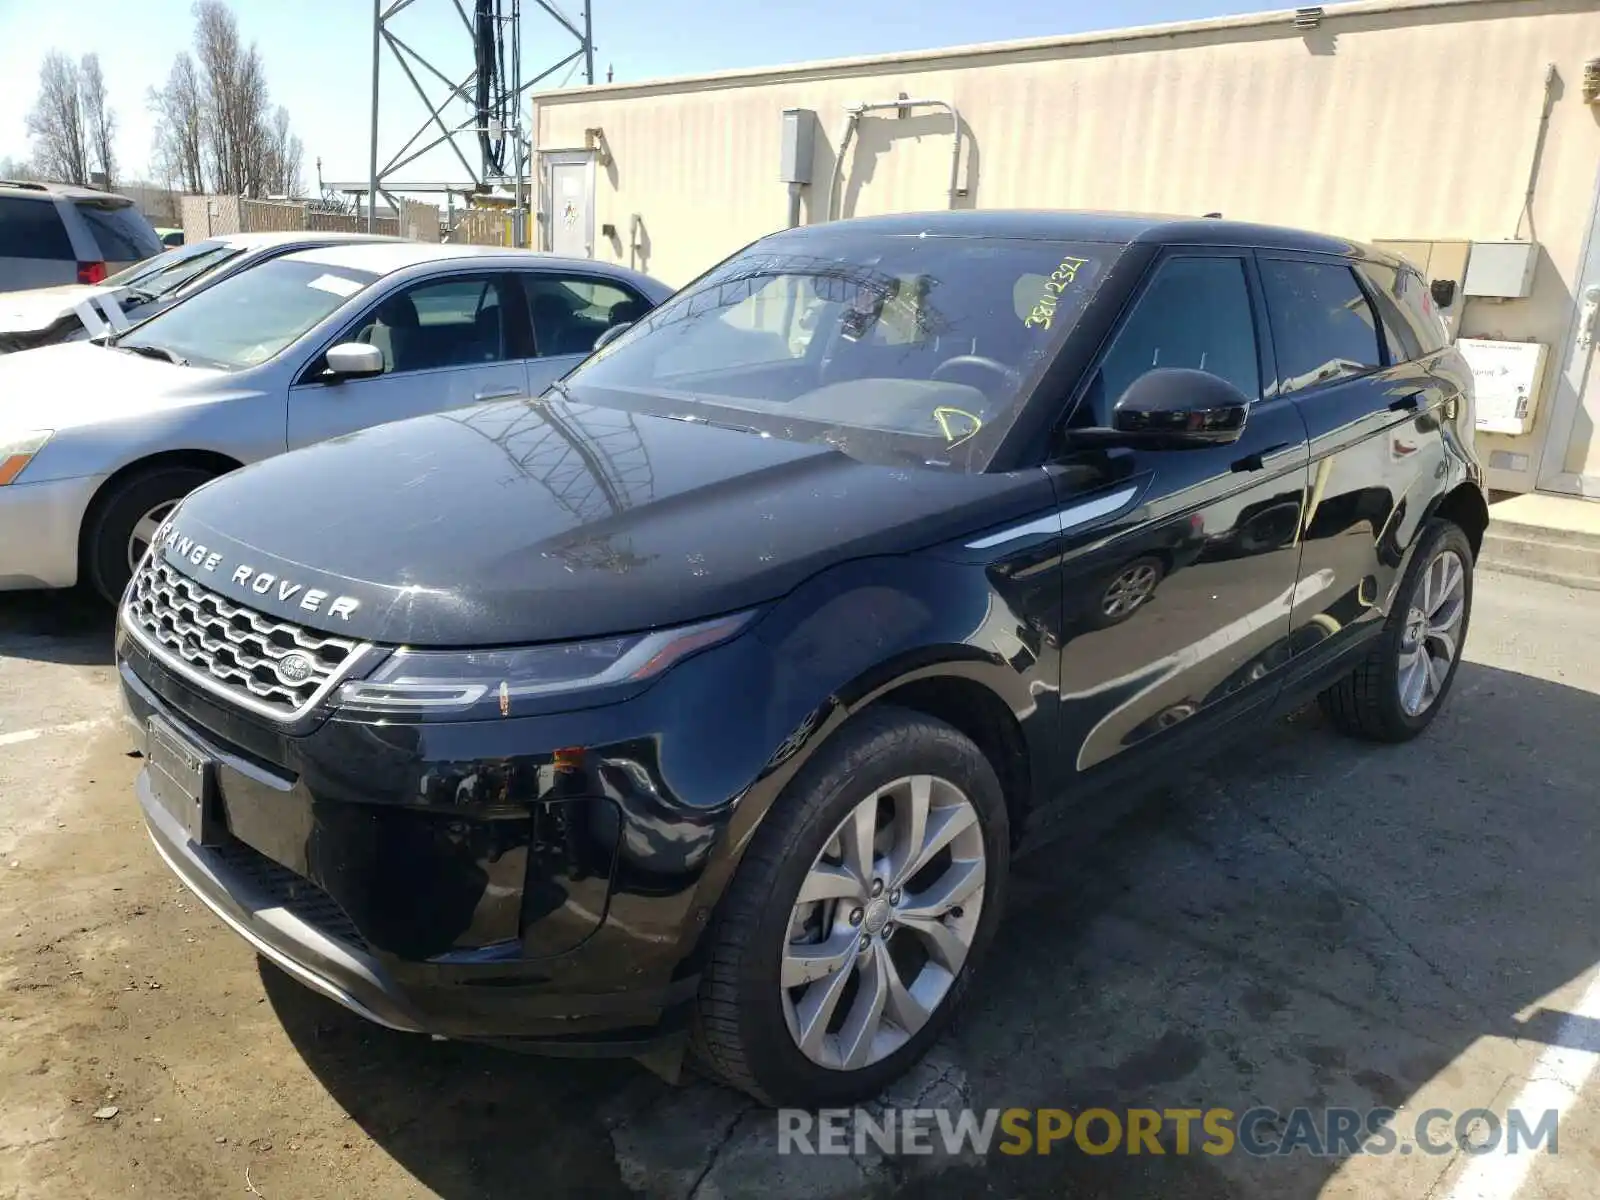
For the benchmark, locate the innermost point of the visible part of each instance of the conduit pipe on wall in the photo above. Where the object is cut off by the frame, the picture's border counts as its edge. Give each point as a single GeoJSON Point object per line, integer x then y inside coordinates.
{"type": "Point", "coordinates": [853, 117]}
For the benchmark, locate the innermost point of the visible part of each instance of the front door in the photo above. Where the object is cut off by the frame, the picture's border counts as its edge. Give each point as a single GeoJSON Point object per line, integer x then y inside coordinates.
{"type": "Point", "coordinates": [446, 343]}
{"type": "Point", "coordinates": [569, 203]}
{"type": "Point", "coordinates": [1178, 612]}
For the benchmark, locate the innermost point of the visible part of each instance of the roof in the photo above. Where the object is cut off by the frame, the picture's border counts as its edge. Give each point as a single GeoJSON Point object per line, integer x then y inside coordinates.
{"type": "Point", "coordinates": [1066, 225]}
{"type": "Point", "coordinates": [382, 258]}
{"type": "Point", "coordinates": [943, 57]}
{"type": "Point", "coordinates": [306, 237]}
{"type": "Point", "coordinates": [70, 191]}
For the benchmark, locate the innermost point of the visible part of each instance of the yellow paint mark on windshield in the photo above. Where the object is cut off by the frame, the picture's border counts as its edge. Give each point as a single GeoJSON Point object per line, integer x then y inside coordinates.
{"type": "Point", "coordinates": [1044, 309]}
{"type": "Point", "coordinates": [944, 415]}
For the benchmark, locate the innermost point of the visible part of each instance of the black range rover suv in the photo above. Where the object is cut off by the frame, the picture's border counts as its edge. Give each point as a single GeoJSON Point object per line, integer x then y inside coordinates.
{"type": "Point", "coordinates": [703, 700]}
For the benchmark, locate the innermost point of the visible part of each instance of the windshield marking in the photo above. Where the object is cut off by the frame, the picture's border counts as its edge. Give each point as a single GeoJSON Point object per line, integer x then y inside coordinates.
{"type": "Point", "coordinates": [337, 284]}
{"type": "Point", "coordinates": [1044, 310]}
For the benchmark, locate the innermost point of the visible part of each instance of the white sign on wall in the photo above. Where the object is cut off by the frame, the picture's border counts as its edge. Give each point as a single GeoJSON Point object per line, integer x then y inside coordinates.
{"type": "Point", "coordinates": [1506, 380]}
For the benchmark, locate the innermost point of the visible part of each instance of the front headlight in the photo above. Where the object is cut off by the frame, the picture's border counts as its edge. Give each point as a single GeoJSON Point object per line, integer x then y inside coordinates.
{"type": "Point", "coordinates": [460, 681]}
{"type": "Point", "coordinates": [17, 451]}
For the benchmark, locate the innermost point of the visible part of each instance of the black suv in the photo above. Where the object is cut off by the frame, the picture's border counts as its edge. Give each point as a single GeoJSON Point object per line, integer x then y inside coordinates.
{"type": "Point", "coordinates": [705, 699]}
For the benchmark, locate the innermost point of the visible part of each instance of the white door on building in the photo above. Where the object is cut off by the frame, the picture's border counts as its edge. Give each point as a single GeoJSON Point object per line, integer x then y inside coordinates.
{"type": "Point", "coordinates": [569, 203]}
{"type": "Point", "coordinates": [1570, 460]}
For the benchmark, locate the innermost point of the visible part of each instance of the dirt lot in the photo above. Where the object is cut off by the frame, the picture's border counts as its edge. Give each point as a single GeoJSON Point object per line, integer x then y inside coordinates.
{"type": "Point", "coordinates": [1307, 921]}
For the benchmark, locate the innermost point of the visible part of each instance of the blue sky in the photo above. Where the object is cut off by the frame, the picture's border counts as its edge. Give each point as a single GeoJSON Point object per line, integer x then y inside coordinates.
{"type": "Point", "coordinates": [318, 52]}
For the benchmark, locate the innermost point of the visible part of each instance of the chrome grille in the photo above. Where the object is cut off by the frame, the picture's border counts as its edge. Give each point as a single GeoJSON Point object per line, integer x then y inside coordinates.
{"type": "Point", "coordinates": [231, 649]}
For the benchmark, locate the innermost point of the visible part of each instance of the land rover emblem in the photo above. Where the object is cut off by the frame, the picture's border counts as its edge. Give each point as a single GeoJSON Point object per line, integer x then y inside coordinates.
{"type": "Point", "coordinates": [294, 669]}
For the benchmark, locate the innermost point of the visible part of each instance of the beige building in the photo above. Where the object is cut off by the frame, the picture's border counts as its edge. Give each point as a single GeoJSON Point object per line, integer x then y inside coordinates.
{"type": "Point", "coordinates": [1451, 127]}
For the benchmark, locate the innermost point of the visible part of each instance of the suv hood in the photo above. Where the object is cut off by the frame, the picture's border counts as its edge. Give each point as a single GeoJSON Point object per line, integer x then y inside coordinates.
{"type": "Point", "coordinates": [539, 521]}
{"type": "Point", "coordinates": [79, 383]}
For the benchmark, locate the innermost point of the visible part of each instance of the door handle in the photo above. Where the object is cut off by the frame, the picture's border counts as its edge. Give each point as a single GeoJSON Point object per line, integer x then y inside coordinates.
{"type": "Point", "coordinates": [1406, 403]}
{"type": "Point", "coordinates": [497, 394]}
{"type": "Point", "coordinates": [1257, 461]}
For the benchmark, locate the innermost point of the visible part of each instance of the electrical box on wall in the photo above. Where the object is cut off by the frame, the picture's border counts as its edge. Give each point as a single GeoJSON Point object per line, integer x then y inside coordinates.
{"type": "Point", "coordinates": [1506, 379]}
{"type": "Point", "coordinates": [1501, 270]}
{"type": "Point", "coordinates": [799, 141]}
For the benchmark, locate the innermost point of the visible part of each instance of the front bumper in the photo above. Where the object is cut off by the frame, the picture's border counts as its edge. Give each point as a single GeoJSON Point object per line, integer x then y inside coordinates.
{"type": "Point", "coordinates": [448, 879]}
{"type": "Point", "coordinates": [39, 527]}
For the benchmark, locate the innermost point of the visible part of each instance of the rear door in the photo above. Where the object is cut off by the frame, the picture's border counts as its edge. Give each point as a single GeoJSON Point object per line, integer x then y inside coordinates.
{"type": "Point", "coordinates": [447, 342]}
{"type": "Point", "coordinates": [1352, 364]}
{"type": "Point", "coordinates": [567, 312]}
{"type": "Point", "coordinates": [35, 249]}
{"type": "Point", "coordinates": [1177, 613]}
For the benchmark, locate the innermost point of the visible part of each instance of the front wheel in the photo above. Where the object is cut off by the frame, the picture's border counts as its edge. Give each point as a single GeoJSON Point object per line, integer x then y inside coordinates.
{"type": "Point", "coordinates": [126, 520]}
{"type": "Point", "coordinates": [858, 916]}
{"type": "Point", "coordinates": [1398, 689]}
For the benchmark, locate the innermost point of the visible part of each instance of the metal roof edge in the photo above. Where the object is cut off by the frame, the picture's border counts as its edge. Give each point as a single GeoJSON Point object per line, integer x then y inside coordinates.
{"type": "Point", "coordinates": [926, 59]}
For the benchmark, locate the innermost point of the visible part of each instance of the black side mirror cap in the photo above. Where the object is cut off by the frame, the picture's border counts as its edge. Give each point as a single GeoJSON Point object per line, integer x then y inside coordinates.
{"type": "Point", "coordinates": [1171, 408]}
{"type": "Point", "coordinates": [1443, 292]}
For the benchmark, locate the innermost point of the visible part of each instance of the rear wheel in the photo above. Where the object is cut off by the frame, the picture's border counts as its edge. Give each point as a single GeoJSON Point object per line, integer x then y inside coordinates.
{"type": "Point", "coordinates": [855, 923]}
{"type": "Point", "coordinates": [126, 520]}
{"type": "Point", "coordinates": [1398, 689]}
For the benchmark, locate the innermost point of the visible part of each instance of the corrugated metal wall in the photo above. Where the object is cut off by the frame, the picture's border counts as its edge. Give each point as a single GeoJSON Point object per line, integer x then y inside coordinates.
{"type": "Point", "coordinates": [1414, 123]}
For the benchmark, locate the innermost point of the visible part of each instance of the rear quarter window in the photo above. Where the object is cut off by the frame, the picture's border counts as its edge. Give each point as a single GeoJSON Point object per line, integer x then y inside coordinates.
{"type": "Point", "coordinates": [121, 232]}
{"type": "Point", "coordinates": [32, 228]}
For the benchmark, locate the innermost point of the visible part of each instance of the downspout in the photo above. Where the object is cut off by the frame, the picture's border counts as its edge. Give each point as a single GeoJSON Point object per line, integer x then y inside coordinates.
{"type": "Point", "coordinates": [902, 104]}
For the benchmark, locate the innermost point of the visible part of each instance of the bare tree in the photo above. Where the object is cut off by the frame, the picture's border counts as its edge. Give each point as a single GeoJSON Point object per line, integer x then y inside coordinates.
{"type": "Point", "coordinates": [17, 168]}
{"type": "Point", "coordinates": [100, 122]}
{"type": "Point", "coordinates": [180, 127]}
{"type": "Point", "coordinates": [56, 123]}
{"type": "Point", "coordinates": [285, 158]}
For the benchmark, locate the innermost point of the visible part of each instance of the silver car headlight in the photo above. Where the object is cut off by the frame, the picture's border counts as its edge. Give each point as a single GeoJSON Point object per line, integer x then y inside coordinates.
{"type": "Point", "coordinates": [17, 451]}
{"type": "Point", "coordinates": [490, 682]}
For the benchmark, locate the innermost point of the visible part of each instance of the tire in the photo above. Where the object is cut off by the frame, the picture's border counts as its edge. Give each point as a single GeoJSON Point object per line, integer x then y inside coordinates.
{"type": "Point", "coordinates": [741, 1031]}
{"type": "Point", "coordinates": [1368, 702]}
{"type": "Point", "coordinates": [118, 513]}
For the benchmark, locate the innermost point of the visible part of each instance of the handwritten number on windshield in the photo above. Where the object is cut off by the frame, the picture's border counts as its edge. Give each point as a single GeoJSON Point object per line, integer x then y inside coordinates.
{"type": "Point", "coordinates": [1060, 280]}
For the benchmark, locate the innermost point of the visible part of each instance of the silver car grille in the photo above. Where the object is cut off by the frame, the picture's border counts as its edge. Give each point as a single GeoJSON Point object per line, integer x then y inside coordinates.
{"type": "Point", "coordinates": [232, 650]}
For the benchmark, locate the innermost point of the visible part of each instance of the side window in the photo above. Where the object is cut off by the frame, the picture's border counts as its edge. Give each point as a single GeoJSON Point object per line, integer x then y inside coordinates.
{"type": "Point", "coordinates": [452, 323]}
{"type": "Point", "coordinates": [570, 311]}
{"type": "Point", "coordinates": [1383, 285]}
{"type": "Point", "coordinates": [1195, 313]}
{"type": "Point", "coordinates": [1322, 324]}
{"type": "Point", "coordinates": [32, 229]}
{"type": "Point", "coordinates": [1416, 303]}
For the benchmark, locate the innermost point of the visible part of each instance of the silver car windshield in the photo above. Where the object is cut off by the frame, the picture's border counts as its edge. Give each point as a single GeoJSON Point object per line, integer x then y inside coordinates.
{"type": "Point", "coordinates": [170, 271]}
{"type": "Point", "coordinates": [250, 317]}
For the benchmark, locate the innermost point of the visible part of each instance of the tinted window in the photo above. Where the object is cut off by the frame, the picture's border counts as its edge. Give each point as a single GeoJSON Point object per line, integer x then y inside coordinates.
{"type": "Point", "coordinates": [570, 312]}
{"type": "Point", "coordinates": [1195, 313]}
{"type": "Point", "coordinates": [1382, 284]}
{"type": "Point", "coordinates": [32, 229]}
{"type": "Point", "coordinates": [1322, 325]}
{"type": "Point", "coordinates": [451, 323]}
{"type": "Point", "coordinates": [250, 316]}
{"type": "Point", "coordinates": [121, 231]}
{"type": "Point", "coordinates": [876, 343]}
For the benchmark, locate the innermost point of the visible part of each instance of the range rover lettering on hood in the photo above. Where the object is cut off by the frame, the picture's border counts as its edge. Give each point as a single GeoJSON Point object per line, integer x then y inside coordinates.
{"type": "Point", "coordinates": [263, 583]}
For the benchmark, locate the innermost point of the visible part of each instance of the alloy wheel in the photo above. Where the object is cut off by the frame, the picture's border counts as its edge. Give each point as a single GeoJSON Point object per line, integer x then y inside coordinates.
{"type": "Point", "coordinates": [145, 530]}
{"type": "Point", "coordinates": [1432, 635]}
{"type": "Point", "coordinates": [883, 922]}
{"type": "Point", "coordinates": [1129, 590]}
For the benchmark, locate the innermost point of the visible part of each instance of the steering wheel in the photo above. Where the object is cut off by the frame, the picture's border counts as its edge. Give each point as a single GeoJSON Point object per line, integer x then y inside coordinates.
{"type": "Point", "coordinates": [966, 363]}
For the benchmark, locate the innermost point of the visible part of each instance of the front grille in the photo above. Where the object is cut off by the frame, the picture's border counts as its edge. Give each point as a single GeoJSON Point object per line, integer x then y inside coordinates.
{"type": "Point", "coordinates": [233, 650]}
{"type": "Point", "coordinates": [295, 893]}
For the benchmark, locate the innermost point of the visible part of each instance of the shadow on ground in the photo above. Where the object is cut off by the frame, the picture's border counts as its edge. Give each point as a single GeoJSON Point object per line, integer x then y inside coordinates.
{"type": "Point", "coordinates": [70, 627]}
{"type": "Point", "coordinates": [1304, 921]}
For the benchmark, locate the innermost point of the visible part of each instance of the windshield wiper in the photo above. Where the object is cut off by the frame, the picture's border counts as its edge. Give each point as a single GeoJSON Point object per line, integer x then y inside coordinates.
{"type": "Point", "coordinates": [160, 352]}
{"type": "Point", "coordinates": [139, 295]}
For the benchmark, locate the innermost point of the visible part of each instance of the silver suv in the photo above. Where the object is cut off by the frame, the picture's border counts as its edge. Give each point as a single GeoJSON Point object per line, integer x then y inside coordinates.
{"type": "Point", "coordinates": [54, 233]}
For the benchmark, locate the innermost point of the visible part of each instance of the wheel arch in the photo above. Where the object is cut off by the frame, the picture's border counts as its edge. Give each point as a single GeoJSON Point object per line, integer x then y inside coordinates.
{"type": "Point", "coordinates": [205, 460]}
{"type": "Point", "coordinates": [1465, 506]}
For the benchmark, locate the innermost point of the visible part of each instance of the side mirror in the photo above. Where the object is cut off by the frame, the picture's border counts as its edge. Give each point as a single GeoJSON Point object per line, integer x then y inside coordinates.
{"type": "Point", "coordinates": [612, 334]}
{"type": "Point", "coordinates": [1172, 408]}
{"type": "Point", "coordinates": [354, 360]}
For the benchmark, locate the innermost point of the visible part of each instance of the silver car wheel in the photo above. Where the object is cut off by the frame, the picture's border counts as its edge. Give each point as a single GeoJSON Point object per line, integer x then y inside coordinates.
{"type": "Point", "coordinates": [883, 922]}
{"type": "Point", "coordinates": [1129, 590]}
{"type": "Point", "coordinates": [1432, 635]}
{"type": "Point", "coordinates": [145, 530]}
